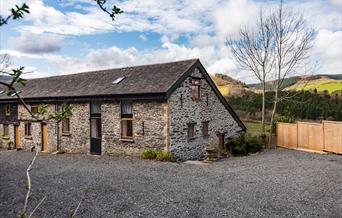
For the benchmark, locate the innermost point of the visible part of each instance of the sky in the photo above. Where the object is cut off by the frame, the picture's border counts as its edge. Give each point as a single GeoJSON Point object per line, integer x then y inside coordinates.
{"type": "Point", "coordinates": [71, 36]}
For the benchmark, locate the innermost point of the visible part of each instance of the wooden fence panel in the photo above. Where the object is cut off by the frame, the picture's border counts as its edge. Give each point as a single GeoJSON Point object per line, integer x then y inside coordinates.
{"type": "Point", "coordinates": [310, 136]}
{"type": "Point", "coordinates": [332, 136]}
{"type": "Point", "coordinates": [287, 135]}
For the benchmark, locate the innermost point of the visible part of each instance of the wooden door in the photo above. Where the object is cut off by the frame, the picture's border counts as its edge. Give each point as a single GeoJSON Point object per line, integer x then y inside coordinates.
{"type": "Point", "coordinates": [44, 137]}
{"type": "Point", "coordinates": [221, 141]}
{"type": "Point", "coordinates": [16, 137]}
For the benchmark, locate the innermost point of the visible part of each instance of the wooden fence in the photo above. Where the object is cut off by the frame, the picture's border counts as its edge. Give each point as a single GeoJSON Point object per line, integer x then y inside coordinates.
{"type": "Point", "coordinates": [325, 136]}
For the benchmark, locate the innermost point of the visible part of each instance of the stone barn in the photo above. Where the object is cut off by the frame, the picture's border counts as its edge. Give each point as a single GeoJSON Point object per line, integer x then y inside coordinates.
{"type": "Point", "coordinates": [171, 106]}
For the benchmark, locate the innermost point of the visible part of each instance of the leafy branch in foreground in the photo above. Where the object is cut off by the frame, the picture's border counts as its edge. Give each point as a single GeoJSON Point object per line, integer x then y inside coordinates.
{"type": "Point", "coordinates": [114, 11]}
{"type": "Point", "coordinates": [16, 13]}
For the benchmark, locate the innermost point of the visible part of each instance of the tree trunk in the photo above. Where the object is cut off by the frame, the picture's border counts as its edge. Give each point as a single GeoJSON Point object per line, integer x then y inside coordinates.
{"type": "Point", "coordinates": [263, 109]}
{"type": "Point", "coordinates": [272, 117]}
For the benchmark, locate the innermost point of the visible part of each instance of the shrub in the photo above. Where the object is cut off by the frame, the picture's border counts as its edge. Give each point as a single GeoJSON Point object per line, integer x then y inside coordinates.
{"type": "Point", "coordinates": [153, 154]}
{"type": "Point", "coordinates": [149, 154]}
{"type": "Point", "coordinates": [164, 156]}
{"type": "Point", "coordinates": [282, 119]}
{"type": "Point", "coordinates": [254, 144]}
{"type": "Point", "coordinates": [245, 144]}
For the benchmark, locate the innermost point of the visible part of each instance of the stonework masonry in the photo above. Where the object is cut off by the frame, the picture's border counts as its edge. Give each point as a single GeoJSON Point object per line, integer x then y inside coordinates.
{"type": "Point", "coordinates": [148, 127]}
{"type": "Point", "coordinates": [187, 110]}
{"type": "Point", "coordinates": [160, 124]}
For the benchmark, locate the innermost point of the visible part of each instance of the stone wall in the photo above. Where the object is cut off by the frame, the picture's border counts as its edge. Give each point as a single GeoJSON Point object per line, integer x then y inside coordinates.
{"type": "Point", "coordinates": [148, 127]}
{"type": "Point", "coordinates": [77, 141]}
{"type": "Point", "coordinates": [4, 141]}
{"type": "Point", "coordinates": [185, 111]}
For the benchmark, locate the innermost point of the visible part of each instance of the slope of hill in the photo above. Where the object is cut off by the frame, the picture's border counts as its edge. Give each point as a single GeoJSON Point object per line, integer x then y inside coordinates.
{"type": "Point", "coordinates": [331, 83]}
{"type": "Point", "coordinates": [229, 86]}
{"type": "Point", "coordinates": [320, 85]}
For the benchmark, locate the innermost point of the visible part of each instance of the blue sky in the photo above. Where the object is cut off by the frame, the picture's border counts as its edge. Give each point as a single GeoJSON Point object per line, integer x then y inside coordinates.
{"type": "Point", "coordinates": [70, 36]}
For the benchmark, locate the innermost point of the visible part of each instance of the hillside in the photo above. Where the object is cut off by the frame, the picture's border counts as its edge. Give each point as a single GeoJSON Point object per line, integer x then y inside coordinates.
{"type": "Point", "coordinates": [331, 83]}
{"type": "Point", "coordinates": [320, 85]}
{"type": "Point", "coordinates": [229, 86]}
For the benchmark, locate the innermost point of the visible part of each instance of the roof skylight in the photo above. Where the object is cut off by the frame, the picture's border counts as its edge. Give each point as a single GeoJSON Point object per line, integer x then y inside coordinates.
{"type": "Point", "coordinates": [118, 80]}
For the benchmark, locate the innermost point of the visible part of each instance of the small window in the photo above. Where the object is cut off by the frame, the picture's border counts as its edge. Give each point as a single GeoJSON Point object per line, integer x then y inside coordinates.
{"type": "Point", "coordinates": [5, 130]}
{"type": "Point", "coordinates": [205, 128]}
{"type": "Point", "coordinates": [126, 119]}
{"type": "Point", "coordinates": [191, 130]}
{"type": "Point", "coordinates": [28, 130]}
{"type": "Point", "coordinates": [66, 125]}
{"type": "Point", "coordinates": [8, 110]}
{"type": "Point", "coordinates": [195, 88]}
{"type": "Point", "coordinates": [34, 109]}
{"type": "Point", "coordinates": [95, 108]}
{"type": "Point", "coordinates": [118, 80]}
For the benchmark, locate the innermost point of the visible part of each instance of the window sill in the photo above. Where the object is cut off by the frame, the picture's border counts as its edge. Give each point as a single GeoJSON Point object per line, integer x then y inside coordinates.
{"type": "Point", "coordinates": [66, 134]}
{"type": "Point", "coordinates": [5, 137]}
{"type": "Point", "coordinates": [28, 137]}
{"type": "Point", "coordinates": [126, 139]}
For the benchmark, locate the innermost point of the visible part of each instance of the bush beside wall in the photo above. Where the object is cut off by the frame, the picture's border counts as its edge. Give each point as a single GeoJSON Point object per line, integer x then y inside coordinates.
{"type": "Point", "coordinates": [153, 154]}
{"type": "Point", "coordinates": [244, 145]}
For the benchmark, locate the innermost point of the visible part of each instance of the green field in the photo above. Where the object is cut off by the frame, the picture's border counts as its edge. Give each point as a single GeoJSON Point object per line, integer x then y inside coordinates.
{"type": "Point", "coordinates": [254, 128]}
{"type": "Point", "coordinates": [320, 85]}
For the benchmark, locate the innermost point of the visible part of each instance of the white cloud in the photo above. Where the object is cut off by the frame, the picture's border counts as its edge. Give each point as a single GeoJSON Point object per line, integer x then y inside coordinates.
{"type": "Point", "coordinates": [205, 23]}
{"type": "Point", "coordinates": [36, 43]}
{"type": "Point", "coordinates": [328, 46]}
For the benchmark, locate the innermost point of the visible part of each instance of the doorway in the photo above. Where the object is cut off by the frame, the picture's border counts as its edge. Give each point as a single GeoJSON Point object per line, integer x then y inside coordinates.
{"type": "Point", "coordinates": [16, 137]}
{"type": "Point", "coordinates": [95, 128]}
{"type": "Point", "coordinates": [221, 141]}
{"type": "Point", "coordinates": [44, 137]}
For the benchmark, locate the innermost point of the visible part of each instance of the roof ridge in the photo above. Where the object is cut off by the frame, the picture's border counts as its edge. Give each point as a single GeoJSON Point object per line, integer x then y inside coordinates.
{"type": "Point", "coordinates": [119, 68]}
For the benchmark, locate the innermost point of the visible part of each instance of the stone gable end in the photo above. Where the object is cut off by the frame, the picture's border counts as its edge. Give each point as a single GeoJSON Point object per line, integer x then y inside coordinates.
{"type": "Point", "coordinates": [184, 110]}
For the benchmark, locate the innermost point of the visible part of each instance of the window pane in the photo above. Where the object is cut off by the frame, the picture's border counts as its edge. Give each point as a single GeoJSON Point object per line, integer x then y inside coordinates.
{"type": "Point", "coordinates": [205, 128]}
{"type": "Point", "coordinates": [28, 129]}
{"type": "Point", "coordinates": [127, 128]}
{"type": "Point", "coordinates": [191, 130]}
{"type": "Point", "coordinates": [34, 109]}
{"type": "Point", "coordinates": [95, 128]}
{"type": "Point", "coordinates": [6, 130]}
{"type": "Point", "coordinates": [195, 92]}
{"type": "Point", "coordinates": [126, 107]}
{"type": "Point", "coordinates": [66, 125]}
{"type": "Point", "coordinates": [95, 108]}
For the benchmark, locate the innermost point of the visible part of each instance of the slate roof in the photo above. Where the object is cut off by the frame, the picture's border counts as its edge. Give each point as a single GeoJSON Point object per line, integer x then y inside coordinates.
{"type": "Point", "coordinates": [145, 79]}
{"type": "Point", "coordinates": [155, 81]}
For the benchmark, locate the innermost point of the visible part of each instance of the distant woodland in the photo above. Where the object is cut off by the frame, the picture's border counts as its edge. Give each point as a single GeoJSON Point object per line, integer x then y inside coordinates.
{"type": "Point", "coordinates": [302, 105]}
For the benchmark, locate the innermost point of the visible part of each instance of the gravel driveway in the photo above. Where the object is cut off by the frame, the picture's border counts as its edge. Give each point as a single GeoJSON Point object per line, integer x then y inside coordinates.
{"type": "Point", "coordinates": [277, 183]}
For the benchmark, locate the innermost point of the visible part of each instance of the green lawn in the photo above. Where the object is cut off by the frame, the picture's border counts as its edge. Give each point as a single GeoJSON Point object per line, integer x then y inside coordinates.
{"type": "Point", "coordinates": [254, 128]}
{"type": "Point", "coordinates": [320, 85]}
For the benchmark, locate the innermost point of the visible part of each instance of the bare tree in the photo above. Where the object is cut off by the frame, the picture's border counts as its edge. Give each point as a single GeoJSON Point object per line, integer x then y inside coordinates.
{"type": "Point", "coordinates": [253, 52]}
{"type": "Point", "coordinates": [10, 79]}
{"type": "Point", "coordinates": [292, 43]}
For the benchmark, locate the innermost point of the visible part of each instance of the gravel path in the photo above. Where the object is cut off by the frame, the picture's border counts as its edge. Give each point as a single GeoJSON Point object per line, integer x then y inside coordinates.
{"type": "Point", "coordinates": [277, 183]}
